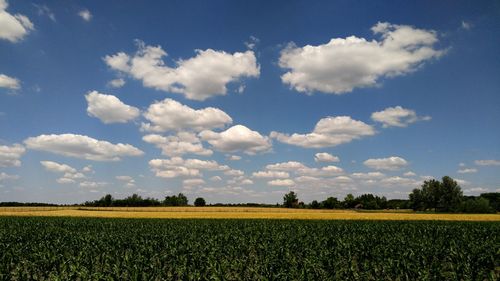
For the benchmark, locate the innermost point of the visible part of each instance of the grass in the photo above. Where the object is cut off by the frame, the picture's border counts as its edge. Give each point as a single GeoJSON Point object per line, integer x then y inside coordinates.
{"type": "Point", "coordinates": [235, 213]}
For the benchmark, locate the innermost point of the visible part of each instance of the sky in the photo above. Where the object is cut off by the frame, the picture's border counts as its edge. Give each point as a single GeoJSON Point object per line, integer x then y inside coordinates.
{"type": "Point", "coordinates": [244, 101]}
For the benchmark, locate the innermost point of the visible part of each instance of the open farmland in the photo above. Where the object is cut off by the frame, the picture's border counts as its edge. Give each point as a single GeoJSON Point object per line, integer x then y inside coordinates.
{"type": "Point", "coordinates": [237, 213]}
{"type": "Point", "coordinates": [147, 249]}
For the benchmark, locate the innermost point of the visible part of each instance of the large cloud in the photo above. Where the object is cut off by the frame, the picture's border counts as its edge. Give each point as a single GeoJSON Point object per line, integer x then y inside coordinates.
{"type": "Point", "coordinates": [330, 131]}
{"type": "Point", "coordinates": [392, 163]}
{"type": "Point", "coordinates": [109, 109]}
{"type": "Point", "coordinates": [179, 167]}
{"type": "Point", "coordinates": [197, 78]}
{"type": "Point", "coordinates": [343, 64]}
{"type": "Point", "coordinates": [10, 155]}
{"type": "Point", "coordinates": [9, 82]}
{"type": "Point", "coordinates": [182, 143]}
{"type": "Point", "coordinates": [237, 138]}
{"type": "Point", "coordinates": [397, 117]}
{"type": "Point", "coordinates": [13, 27]}
{"type": "Point", "coordinates": [170, 115]}
{"type": "Point", "coordinates": [83, 147]}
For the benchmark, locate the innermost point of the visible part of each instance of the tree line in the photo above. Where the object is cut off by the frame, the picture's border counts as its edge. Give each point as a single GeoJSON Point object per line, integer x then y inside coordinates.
{"type": "Point", "coordinates": [433, 195]}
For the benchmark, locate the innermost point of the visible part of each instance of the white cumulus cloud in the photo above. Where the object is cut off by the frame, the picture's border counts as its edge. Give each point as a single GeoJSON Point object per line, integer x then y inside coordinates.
{"type": "Point", "coordinates": [198, 78]}
{"type": "Point", "coordinates": [10, 155]}
{"type": "Point", "coordinates": [13, 27]}
{"type": "Point", "coordinates": [170, 115]}
{"type": "Point", "coordinates": [193, 182]}
{"type": "Point", "coordinates": [180, 144]}
{"type": "Point", "coordinates": [70, 174]}
{"type": "Point", "coordinates": [286, 166]}
{"type": "Point", "coordinates": [271, 174]}
{"type": "Point", "coordinates": [237, 138]}
{"type": "Point", "coordinates": [234, 173]}
{"type": "Point", "coordinates": [397, 117]}
{"type": "Point", "coordinates": [325, 157]}
{"type": "Point", "coordinates": [329, 131]}
{"type": "Point", "coordinates": [368, 176]}
{"type": "Point", "coordinates": [109, 109]}
{"type": "Point", "coordinates": [116, 83]}
{"type": "Point", "coordinates": [9, 82]}
{"type": "Point", "coordinates": [57, 168]}
{"type": "Point", "coordinates": [392, 163]}
{"type": "Point", "coordinates": [279, 182]}
{"type": "Point", "coordinates": [343, 64]}
{"type": "Point", "coordinates": [83, 147]}
{"type": "Point", "coordinates": [179, 167]}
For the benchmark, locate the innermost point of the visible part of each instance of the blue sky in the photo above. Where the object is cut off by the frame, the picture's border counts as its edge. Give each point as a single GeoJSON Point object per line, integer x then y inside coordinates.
{"type": "Point", "coordinates": [240, 101]}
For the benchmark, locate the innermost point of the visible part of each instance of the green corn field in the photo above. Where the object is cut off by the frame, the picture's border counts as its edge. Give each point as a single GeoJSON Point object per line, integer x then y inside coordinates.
{"type": "Point", "coordinates": [149, 249]}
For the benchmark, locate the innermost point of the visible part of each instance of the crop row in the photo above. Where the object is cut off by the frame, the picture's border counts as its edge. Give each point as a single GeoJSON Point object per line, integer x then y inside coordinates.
{"type": "Point", "coordinates": [133, 249]}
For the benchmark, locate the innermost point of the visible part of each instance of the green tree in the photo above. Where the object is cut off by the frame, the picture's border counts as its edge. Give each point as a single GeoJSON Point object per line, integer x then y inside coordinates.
{"type": "Point", "coordinates": [315, 204]}
{"type": "Point", "coordinates": [182, 199]}
{"type": "Point", "coordinates": [371, 202]}
{"type": "Point", "coordinates": [479, 205]}
{"type": "Point", "coordinates": [349, 201]}
{"type": "Point", "coordinates": [330, 203]}
{"type": "Point", "coordinates": [450, 196]}
{"type": "Point", "coordinates": [494, 198]}
{"type": "Point", "coordinates": [179, 200]}
{"type": "Point", "coordinates": [290, 200]}
{"type": "Point", "coordinates": [444, 196]}
{"type": "Point", "coordinates": [199, 202]}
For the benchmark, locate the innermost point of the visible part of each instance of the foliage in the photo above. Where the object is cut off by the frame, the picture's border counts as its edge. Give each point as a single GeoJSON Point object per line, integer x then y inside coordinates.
{"type": "Point", "coordinates": [199, 202]}
{"type": "Point", "coordinates": [494, 199]}
{"type": "Point", "coordinates": [398, 204]}
{"type": "Point", "coordinates": [179, 200]}
{"type": "Point", "coordinates": [30, 204]}
{"type": "Point", "coordinates": [479, 205]}
{"type": "Point", "coordinates": [131, 201]}
{"type": "Point", "coordinates": [445, 196]}
{"type": "Point", "coordinates": [135, 249]}
{"type": "Point", "coordinates": [290, 200]}
{"type": "Point", "coordinates": [331, 203]}
{"type": "Point", "coordinates": [349, 201]}
{"type": "Point", "coordinates": [371, 202]}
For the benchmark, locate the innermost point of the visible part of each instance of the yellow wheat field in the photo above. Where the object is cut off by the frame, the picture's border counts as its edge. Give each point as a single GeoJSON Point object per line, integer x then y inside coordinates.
{"type": "Point", "coordinates": [235, 213]}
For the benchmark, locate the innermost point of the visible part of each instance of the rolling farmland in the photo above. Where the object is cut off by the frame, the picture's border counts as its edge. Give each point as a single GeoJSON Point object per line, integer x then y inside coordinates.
{"type": "Point", "coordinates": [149, 249]}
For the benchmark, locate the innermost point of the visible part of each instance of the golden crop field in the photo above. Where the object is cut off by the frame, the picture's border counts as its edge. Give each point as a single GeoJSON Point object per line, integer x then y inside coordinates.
{"type": "Point", "coordinates": [235, 213]}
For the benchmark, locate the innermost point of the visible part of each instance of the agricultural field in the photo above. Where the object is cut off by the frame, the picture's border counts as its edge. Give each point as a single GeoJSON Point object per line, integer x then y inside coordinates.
{"type": "Point", "coordinates": [42, 248]}
{"type": "Point", "coordinates": [237, 213]}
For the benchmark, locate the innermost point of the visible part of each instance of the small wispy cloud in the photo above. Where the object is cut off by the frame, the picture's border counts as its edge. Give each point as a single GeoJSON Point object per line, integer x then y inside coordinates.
{"type": "Point", "coordinates": [85, 15]}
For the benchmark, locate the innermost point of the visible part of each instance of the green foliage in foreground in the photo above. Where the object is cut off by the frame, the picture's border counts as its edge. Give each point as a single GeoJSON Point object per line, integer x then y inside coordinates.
{"type": "Point", "coordinates": [133, 249]}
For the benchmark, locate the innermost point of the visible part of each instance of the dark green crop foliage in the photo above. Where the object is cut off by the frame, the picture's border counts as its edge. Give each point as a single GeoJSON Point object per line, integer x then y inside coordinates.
{"type": "Point", "coordinates": [141, 249]}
